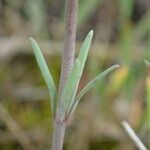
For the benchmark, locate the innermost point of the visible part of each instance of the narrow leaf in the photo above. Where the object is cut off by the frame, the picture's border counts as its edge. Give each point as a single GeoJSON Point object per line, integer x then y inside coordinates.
{"type": "Point", "coordinates": [85, 48]}
{"type": "Point", "coordinates": [70, 89]}
{"type": "Point", "coordinates": [91, 84]}
{"type": "Point", "coordinates": [46, 74]}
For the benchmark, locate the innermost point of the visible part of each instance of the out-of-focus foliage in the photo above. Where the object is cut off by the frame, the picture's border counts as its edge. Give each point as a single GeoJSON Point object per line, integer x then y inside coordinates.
{"type": "Point", "coordinates": [122, 36]}
{"type": "Point", "coordinates": [86, 10]}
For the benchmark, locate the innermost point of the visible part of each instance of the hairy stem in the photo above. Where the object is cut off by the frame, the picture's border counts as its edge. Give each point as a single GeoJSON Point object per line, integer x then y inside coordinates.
{"type": "Point", "coordinates": [66, 66]}
{"type": "Point", "coordinates": [69, 41]}
{"type": "Point", "coordinates": [58, 136]}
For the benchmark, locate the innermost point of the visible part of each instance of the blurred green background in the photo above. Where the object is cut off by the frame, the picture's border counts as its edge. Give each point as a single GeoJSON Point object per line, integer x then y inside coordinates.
{"type": "Point", "coordinates": [121, 36]}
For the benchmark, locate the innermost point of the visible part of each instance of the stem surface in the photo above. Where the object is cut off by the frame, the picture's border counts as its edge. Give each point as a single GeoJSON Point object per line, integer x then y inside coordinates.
{"type": "Point", "coordinates": [69, 41]}
{"type": "Point", "coordinates": [66, 66]}
{"type": "Point", "coordinates": [58, 136]}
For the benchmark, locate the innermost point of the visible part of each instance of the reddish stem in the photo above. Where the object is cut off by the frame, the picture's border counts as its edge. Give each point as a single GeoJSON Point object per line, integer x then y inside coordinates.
{"type": "Point", "coordinates": [67, 63]}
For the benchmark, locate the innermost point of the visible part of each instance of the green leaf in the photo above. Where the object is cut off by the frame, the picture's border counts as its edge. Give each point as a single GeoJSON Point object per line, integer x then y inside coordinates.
{"type": "Point", "coordinates": [91, 84]}
{"type": "Point", "coordinates": [70, 89]}
{"type": "Point", "coordinates": [85, 49]}
{"type": "Point", "coordinates": [46, 74]}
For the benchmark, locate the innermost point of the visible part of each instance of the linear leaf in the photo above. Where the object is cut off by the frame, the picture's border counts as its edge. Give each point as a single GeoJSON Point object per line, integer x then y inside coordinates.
{"type": "Point", "coordinates": [46, 74]}
{"type": "Point", "coordinates": [85, 48]}
{"type": "Point", "coordinates": [91, 84]}
{"type": "Point", "coordinates": [70, 88]}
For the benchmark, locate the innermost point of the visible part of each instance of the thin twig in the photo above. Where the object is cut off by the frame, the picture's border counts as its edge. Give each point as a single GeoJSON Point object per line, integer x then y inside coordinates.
{"type": "Point", "coordinates": [133, 136]}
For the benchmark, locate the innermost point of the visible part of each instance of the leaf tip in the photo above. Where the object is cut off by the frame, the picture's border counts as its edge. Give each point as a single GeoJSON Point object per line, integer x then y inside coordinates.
{"type": "Point", "coordinates": [32, 40]}
{"type": "Point", "coordinates": [117, 66]}
{"type": "Point", "coordinates": [91, 33]}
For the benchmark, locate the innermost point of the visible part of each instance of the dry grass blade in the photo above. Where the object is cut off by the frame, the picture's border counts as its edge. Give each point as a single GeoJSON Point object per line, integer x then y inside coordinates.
{"type": "Point", "coordinates": [133, 136]}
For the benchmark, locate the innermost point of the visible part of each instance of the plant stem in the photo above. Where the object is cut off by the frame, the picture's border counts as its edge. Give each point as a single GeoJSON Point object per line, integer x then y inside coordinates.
{"type": "Point", "coordinates": [66, 66]}
{"type": "Point", "coordinates": [58, 135]}
{"type": "Point", "coordinates": [69, 41]}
